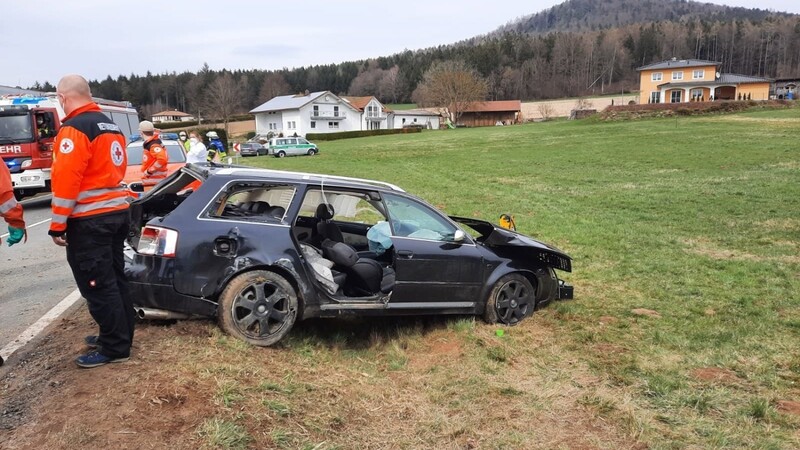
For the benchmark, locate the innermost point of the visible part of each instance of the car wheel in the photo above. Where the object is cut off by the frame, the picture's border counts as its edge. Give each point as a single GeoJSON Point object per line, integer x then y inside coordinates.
{"type": "Point", "coordinates": [259, 307]}
{"type": "Point", "coordinates": [512, 299]}
{"type": "Point", "coordinates": [280, 154]}
{"type": "Point", "coordinates": [311, 152]}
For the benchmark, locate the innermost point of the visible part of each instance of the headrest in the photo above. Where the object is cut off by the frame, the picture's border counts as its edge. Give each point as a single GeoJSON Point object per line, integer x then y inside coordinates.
{"type": "Point", "coordinates": [324, 211]}
{"type": "Point", "coordinates": [339, 252]}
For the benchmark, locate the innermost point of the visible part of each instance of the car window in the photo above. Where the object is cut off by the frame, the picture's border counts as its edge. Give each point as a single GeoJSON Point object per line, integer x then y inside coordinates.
{"type": "Point", "coordinates": [410, 218]}
{"type": "Point", "coordinates": [175, 153]}
{"type": "Point", "coordinates": [291, 141]}
{"type": "Point", "coordinates": [253, 203]}
{"type": "Point", "coordinates": [355, 207]}
{"type": "Point", "coordinates": [302, 141]}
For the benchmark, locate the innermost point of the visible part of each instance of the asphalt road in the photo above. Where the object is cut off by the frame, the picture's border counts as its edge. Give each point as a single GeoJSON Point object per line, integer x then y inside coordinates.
{"type": "Point", "coordinates": [34, 276]}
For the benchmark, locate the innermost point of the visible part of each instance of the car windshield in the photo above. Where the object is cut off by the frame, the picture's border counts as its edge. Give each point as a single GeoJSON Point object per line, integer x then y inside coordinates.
{"type": "Point", "coordinates": [175, 153]}
{"type": "Point", "coordinates": [16, 128]}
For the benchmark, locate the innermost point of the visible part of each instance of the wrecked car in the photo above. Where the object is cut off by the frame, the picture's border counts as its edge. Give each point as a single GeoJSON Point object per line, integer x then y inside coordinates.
{"type": "Point", "coordinates": [261, 249]}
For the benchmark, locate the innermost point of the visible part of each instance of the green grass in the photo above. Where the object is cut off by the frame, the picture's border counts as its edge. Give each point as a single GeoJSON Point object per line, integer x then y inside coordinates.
{"type": "Point", "coordinates": [401, 106]}
{"type": "Point", "coordinates": [695, 218]}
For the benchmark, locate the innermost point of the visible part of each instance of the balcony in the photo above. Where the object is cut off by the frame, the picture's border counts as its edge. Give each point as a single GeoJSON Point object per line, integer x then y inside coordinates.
{"type": "Point", "coordinates": [327, 115]}
{"type": "Point", "coordinates": [374, 117]}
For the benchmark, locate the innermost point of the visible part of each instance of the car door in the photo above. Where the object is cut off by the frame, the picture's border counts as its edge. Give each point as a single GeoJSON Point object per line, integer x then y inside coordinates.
{"type": "Point", "coordinates": [292, 147]}
{"type": "Point", "coordinates": [430, 268]}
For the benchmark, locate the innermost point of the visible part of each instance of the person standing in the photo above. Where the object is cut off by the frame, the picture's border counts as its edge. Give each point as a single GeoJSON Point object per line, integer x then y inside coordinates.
{"type": "Point", "coordinates": [154, 158]}
{"type": "Point", "coordinates": [90, 217]}
{"type": "Point", "coordinates": [11, 212]}
{"type": "Point", "coordinates": [184, 141]}
{"type": "Point", "coordinates": [197, 150]}
{"type": "Point", "coordinates": [215, 147]}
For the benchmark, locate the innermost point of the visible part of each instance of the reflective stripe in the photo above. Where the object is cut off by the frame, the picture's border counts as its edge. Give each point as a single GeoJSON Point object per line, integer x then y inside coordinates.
{"type": "Point", "coordinates": [95, 192]}
{"type": "Point", "coordinates": [59, 218]}
{"type": "Point", "coordinates": [8, 205]}
{"type": "Point", "coordinates": [86, 207]}
{"type": "Point", "coordinates": [63, 202]}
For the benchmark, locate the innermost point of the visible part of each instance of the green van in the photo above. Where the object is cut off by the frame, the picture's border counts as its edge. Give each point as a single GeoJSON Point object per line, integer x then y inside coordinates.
{"type": "Point", "coordinates": [291, 146]}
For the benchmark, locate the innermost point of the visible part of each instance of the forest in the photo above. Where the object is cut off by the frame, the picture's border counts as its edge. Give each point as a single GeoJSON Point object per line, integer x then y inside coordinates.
{"type": "Point", "coordinates": [577, 48]}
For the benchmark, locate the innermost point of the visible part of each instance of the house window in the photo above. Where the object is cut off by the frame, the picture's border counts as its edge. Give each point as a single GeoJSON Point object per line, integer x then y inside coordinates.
{"type": "Point", "coordinates": [273, 126]}
{"type": "Point", "coordinates": [656, 76]}
{"type": "Point", "coordinates": [336, 111]}
{"type": "Point", "coordinates": [698, 74]}
{"type": "Point", "coordinates": [696, 94]}
{"type": "Point", "coordinates": [334, 125]}
{"type": "Point", "coordinates": [313, 124]}
{"type": "Point", "coordinates": [655, 97]}
{"type": "Point", "coordinates": [675, 97]}
{"type": "Point", "coordinates": [316, 111]}
{"type": "Point", "coordinates": [677, 75]}
{"type": "Point", "coordinates": [291, 125]}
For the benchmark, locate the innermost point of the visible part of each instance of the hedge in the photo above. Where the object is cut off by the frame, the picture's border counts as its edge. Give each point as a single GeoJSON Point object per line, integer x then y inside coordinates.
{"type": "Point", "coordinates": [625, 112]}
{"type": "Point", "coordinates": [355, 134]}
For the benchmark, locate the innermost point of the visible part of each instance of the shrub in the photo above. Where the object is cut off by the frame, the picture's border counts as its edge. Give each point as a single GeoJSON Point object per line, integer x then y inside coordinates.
{"type": "Point", "coordinates": [355, 134]}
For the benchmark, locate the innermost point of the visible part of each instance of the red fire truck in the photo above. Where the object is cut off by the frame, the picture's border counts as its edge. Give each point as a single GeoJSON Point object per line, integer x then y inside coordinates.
{"type": "Point", "coordinates": [28, 127]}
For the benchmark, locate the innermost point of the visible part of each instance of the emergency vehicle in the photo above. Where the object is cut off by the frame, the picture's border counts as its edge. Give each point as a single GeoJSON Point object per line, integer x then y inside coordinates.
{"type": "Point", "coordinates": [28, 127]}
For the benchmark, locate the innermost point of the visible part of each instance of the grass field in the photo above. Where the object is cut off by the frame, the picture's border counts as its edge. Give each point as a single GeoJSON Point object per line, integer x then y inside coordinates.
{"type": "Point", "coordinates": [694, 219]}
{"type": "Point", "coordinates": [684, 330]}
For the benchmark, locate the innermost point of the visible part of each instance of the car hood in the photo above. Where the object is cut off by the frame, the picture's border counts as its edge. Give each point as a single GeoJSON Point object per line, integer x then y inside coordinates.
{"type": "Point", "coordinates": [495, 236]}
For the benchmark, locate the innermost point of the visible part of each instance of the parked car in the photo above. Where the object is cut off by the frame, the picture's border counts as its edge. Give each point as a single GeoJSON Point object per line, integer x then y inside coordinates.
{"type": "Point", "coordinates": [163, 136]}
{"type": "Point", "coordinates": [175, 154]}
{"type": "Point", "coordinates": [261, 249]}
{"type": "Point", "coordinates": [291, 146]}
{"type": "Point", "coordinates": [252, 149]}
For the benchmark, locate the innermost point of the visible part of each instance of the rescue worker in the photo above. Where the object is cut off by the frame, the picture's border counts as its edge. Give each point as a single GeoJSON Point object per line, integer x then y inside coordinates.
{"type": "Point", "coordinates": [184, 141]}
{"type": "Point", "coordinates": [90, 217]}
{"type": "Point", "coordinates": [215, 147]}
{"type": "Point", "coordinates": [11, 212]}
{"type": "Point", "coordinates": [154, 158]}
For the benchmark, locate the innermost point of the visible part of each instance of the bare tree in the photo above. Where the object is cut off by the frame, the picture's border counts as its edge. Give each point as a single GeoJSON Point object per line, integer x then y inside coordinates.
{"type": "Point", "coordinates": [273, 85]}
{"type": "Point", "coordinates": [223, 99]}
{"type": "Point", "coordinates": [451, 86]}
{"type": "Point", "coordinates": [547, 110]}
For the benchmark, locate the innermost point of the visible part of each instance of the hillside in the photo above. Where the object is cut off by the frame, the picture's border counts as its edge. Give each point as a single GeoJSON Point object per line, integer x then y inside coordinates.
{"type": "Point", "coordinates": [583, 15]}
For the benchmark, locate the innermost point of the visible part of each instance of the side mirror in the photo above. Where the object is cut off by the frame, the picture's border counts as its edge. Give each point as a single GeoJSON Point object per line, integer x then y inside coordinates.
{"type": "Point", "coordinates": [459, 236]}
{"type": "Point", "coordinates": [136, 187]}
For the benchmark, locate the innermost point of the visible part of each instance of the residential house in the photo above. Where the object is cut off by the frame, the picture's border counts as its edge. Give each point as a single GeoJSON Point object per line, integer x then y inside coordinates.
{"type": "Point", "coordinates": [316, 112]}
{"type": "Point", "coordinates": [685, 80]}
{"type": "Point", "coordinates": [374, 116]}
{"type": "Point", "coordinates": [414, 117]}
{"type": "Point", "coordinates": [172, 116]}
{"type": "Point", "coordinates": [490, 113]}
{"type": "Point", "coordinates": [786, 88]}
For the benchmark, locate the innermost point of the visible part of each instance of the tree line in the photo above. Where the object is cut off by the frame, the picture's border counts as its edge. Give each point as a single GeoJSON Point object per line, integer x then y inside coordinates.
{"type": "Point", "coordinates": [512, 64]}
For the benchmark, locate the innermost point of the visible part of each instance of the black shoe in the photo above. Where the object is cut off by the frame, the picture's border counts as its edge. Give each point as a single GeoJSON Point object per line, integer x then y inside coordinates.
{"type": "Point", "coordinates": [95, 359]}
{"type": "Point", "coordinates": [91, 341]}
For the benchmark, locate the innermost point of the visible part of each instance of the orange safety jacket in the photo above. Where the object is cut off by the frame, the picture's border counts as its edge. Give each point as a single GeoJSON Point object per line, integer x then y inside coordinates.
{"type": "Point", "coordinates": [10, 210]}
{"type": "Point", "coordinates": [89, 163]}
{"type": "Point", "coordinates": [154, 161]}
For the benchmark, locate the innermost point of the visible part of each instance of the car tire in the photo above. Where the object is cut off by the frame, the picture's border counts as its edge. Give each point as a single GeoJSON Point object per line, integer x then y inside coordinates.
{"type": "Point", "coordinates": [280, 154]}
{"type": "Point", "coordinates": [512, 299]}
{"type": "Point", "coordinates": [312, 152]}
{"type": "Point", "coordinates": [259, 307]}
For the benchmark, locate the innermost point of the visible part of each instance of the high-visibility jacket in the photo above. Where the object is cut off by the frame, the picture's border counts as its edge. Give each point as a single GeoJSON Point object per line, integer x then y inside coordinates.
{"type": "Point", "coordinates": [89, 163]}
{"type": "Point", "coordinates": [10, 210]}
{"type": "Point", "coordinates": [154, 161]}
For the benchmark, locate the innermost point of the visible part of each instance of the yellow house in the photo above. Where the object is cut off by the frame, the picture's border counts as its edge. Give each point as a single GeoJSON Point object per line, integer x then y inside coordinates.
{"type": "Point", "coordinates": [685, 80]}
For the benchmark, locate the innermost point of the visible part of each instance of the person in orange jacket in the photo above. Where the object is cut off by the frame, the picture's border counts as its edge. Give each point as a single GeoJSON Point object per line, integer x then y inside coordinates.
{"type": "Point", "coordinates": [154, 159]}
{"type": "Point", "coordinates": [90, 218]}
{"type": "Point", "coordinates": [10, 210]}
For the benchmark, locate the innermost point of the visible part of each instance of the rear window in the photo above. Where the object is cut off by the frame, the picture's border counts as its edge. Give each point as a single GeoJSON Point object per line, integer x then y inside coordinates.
{"type": "Point", "coordinates": [253, 202]}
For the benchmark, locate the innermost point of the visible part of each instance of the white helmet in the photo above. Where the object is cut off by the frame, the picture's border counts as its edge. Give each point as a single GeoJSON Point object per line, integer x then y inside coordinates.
{"type": "Point", "coordinates": [212, 135]}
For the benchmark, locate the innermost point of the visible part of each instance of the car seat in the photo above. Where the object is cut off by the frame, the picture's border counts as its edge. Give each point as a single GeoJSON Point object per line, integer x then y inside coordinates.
{"type": "Point", "coordinates": [364, 276]}
{"type": "Point", "coordinates": [324, 227]}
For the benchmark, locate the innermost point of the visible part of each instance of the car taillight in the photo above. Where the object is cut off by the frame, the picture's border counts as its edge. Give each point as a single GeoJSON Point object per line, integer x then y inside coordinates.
{"type": "Point", "coordinates": [158, 242]}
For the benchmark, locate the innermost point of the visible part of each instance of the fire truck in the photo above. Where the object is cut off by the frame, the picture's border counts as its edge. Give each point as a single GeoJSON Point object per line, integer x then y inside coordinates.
{"type": "Point", "coordinates": [28, 127]}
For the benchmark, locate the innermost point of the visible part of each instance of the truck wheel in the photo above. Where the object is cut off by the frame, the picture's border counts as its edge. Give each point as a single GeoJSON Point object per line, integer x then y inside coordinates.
{"type": "Point", "coordinates": [512, 299]}
{"type": "Point", "coordinates": [280, 154]}
{"type": "Point", "coordinates": [258, 307]}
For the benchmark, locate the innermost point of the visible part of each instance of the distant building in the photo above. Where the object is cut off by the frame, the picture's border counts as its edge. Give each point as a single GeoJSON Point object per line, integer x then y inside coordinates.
{"type": "Point", "coordinates": [172, 116]}
{"type": "Point", "coordinates": [374, 116]}
{"type": "Point", "coordinates": [786, 88]}
{"type": "Point", "coordinates": [685, 80]}
{"type": "Point", "coordinates": [316, 112]}
{"type": "Point", "coordinates": [414, 117]}
{"type": "Point", "coordinates": [490, 113]}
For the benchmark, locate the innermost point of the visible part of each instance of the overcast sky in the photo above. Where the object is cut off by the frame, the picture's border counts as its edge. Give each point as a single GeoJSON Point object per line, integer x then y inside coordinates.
{"type": "Point", "coordinates": [45, 39]}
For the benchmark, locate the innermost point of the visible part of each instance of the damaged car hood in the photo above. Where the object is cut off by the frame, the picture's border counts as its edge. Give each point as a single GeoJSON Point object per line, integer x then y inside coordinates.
{"type": "Point", "coordinates": [495, 236]}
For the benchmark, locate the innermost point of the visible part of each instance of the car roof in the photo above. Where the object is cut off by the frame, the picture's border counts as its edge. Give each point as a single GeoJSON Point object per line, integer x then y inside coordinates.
{"type": "Point", "coordinates": [302, 177]}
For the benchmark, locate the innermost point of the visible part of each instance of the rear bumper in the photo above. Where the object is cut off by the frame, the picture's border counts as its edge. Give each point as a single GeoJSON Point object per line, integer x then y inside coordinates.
{"type": "Point", "coordinates": [31, 179]}
{"type": "Point", "coordinates": [565, 290]}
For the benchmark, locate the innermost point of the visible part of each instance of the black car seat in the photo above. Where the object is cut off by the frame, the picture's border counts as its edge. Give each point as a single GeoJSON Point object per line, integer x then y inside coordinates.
{"type": "Point", "coordinates": [325, 228]}
{"type": "Point", "coordinates": [276, 212]}
{"type": "Point", "coordinates": [364, 276]}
